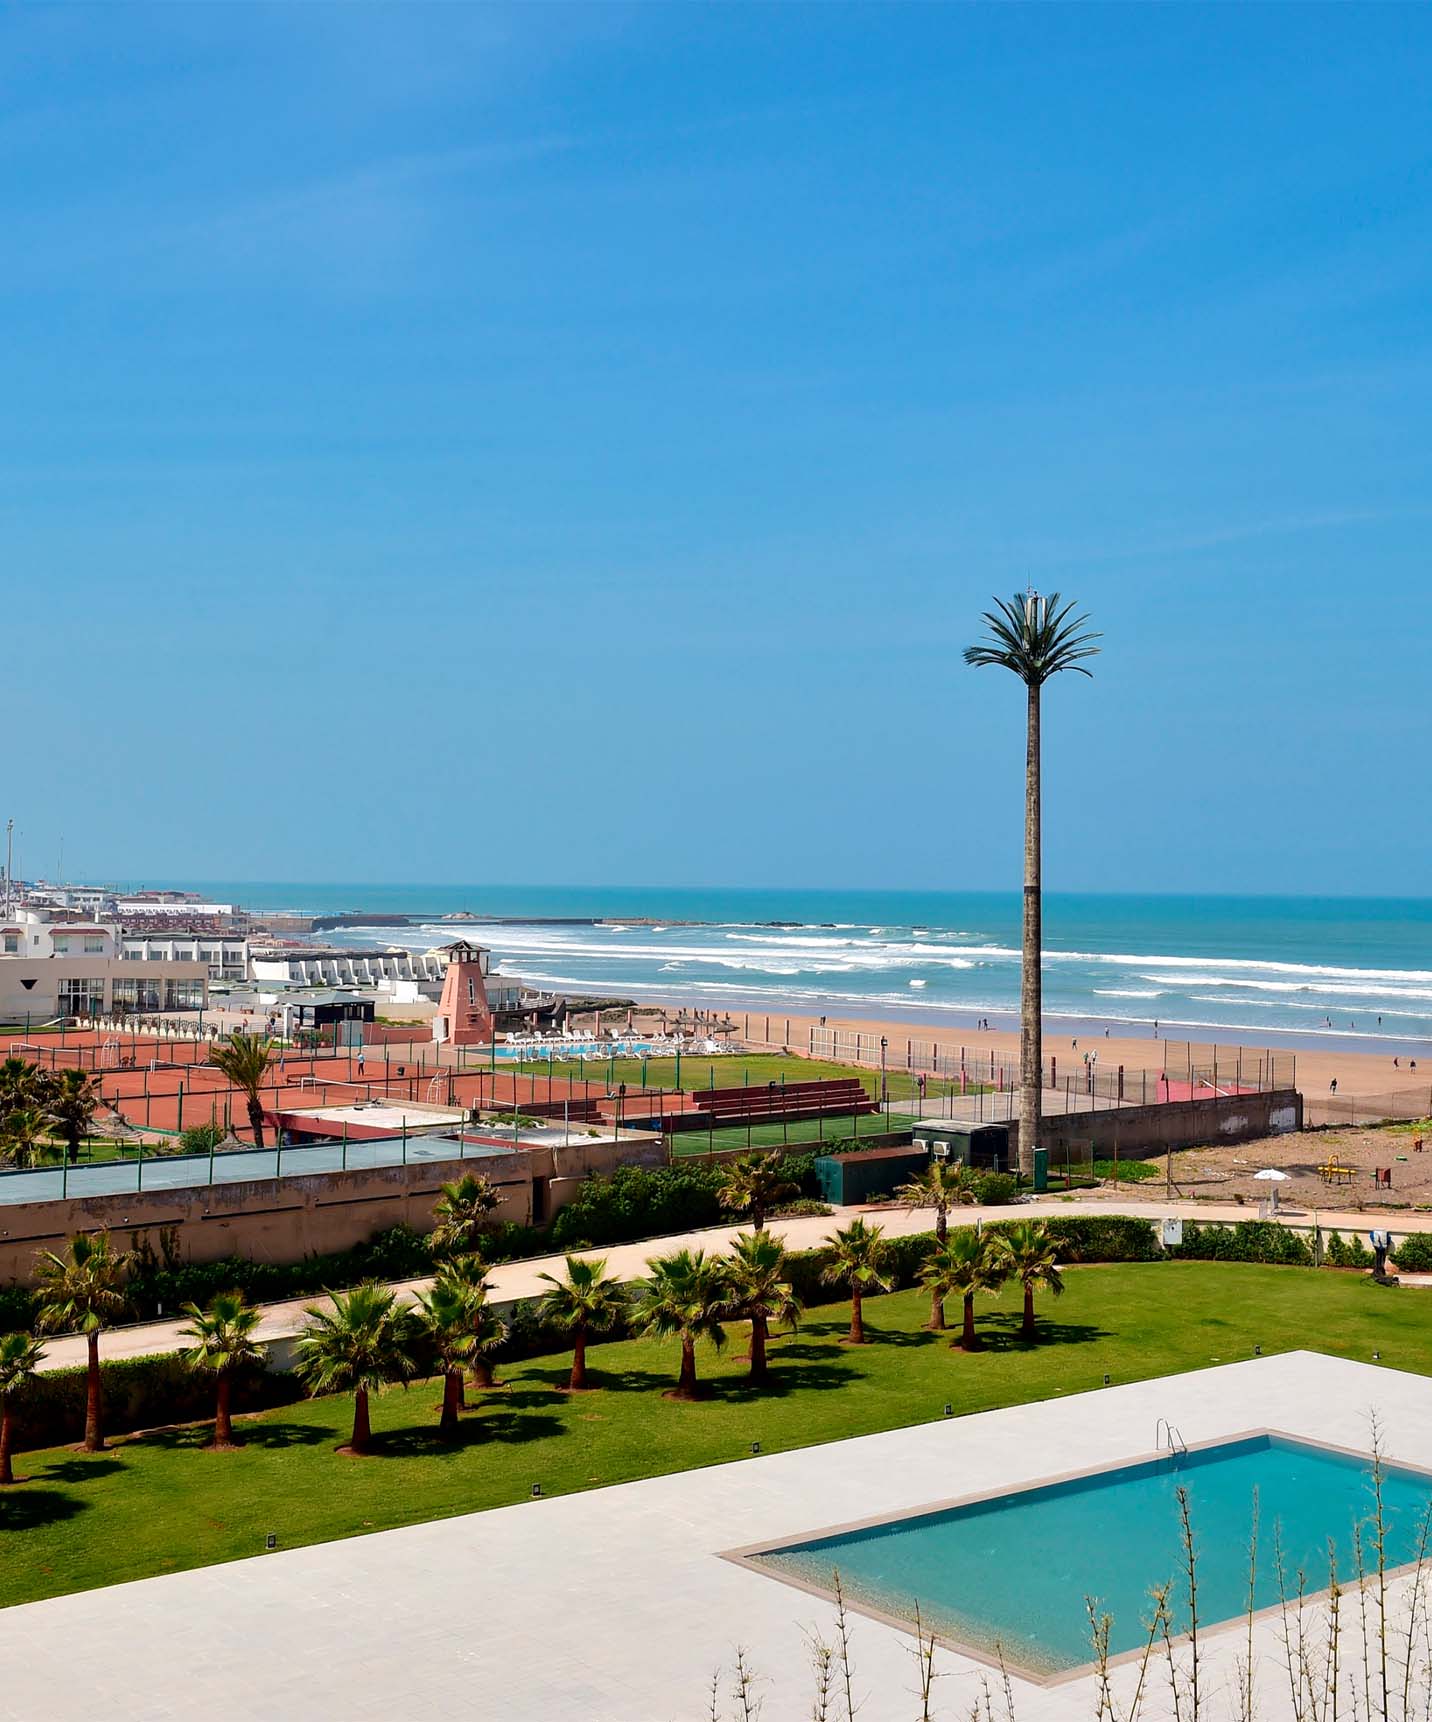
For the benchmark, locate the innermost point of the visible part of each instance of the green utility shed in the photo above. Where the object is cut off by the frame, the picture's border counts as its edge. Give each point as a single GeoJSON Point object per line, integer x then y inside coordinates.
{"type": "Point", "coordinates": [846, 1179]}
{"type": "Point", "coordinates": [984, 1147]}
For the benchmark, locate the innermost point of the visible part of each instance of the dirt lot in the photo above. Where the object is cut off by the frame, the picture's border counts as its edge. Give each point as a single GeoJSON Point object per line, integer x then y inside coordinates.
{"type": "Point", "coordinates": [1226, 1174]}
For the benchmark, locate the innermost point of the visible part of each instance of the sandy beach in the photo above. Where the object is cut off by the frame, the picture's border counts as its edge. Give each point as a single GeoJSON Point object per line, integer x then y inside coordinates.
{"type": "Point", "coordinates": [1358, 1075]}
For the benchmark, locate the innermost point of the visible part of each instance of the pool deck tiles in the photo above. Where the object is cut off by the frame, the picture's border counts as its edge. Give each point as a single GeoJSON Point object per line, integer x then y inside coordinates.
{"type": "Point", "coordinates": [616, 1605]}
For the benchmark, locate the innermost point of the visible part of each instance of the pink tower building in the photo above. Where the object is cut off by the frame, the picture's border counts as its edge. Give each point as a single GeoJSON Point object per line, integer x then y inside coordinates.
{"type": "Point", "coordinates": [464, 1015]}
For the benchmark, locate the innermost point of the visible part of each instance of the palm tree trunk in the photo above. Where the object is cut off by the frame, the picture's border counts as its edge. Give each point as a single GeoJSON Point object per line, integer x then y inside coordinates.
{"type": "Point", "coordinates": [856, 1336]}
{"type": "Point", "coordinates": [942, 1225]}
{"type": "Point", "coordinates": [937, 1311]}
{"type": "Point", "coordinates": [967, 1333]}
{"type": "Point", "coordinates": [758, 1217]}
{"type": "Point", "coordinates": [94, 1398]}
{"type": "Point", "coordinates": [256, 1120]}
{"type": "Point", "coordinates": [1031, 994]}
{"type": "Point", "coordinates": [362, 1430]}
{"type": "Point", "coordinates": [482, 1372]}
{"type": "Point", "coordinates": [7, 1474]}
{"type": "Point", "coordinates": [1027, 1331]}
{"type": "Point", "coordinates": [223, 1423]}
{"type": "Point", "coordinates": [447, 1421]}
{"type": "Point", "coordinates": [758, 1370]}
{"type": "Point", "coordinates": [579, 1360]}
{"type": "Point", "coordinates": [686, 1381]}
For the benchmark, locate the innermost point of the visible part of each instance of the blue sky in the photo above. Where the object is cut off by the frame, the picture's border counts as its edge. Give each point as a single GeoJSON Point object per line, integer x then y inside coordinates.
{"type": "Point", "coordinates": [477, 444]}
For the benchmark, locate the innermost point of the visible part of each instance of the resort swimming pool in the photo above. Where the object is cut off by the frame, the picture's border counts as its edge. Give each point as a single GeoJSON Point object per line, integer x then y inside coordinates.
{"type": "Point", "coordinates": [1010, 1573]}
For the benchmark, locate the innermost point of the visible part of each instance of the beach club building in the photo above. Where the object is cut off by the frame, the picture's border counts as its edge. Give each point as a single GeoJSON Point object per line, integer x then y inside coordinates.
{"type": "Point", "coordinates": [51, 968]}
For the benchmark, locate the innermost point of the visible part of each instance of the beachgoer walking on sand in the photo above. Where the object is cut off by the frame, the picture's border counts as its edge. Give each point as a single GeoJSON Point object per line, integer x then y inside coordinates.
{"type": "Point", "coordinates": [1333, 1086]}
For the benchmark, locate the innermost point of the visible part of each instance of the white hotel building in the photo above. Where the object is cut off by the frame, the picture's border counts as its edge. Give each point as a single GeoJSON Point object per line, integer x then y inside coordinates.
{"type": "Point", "coordinates": [83, 968]}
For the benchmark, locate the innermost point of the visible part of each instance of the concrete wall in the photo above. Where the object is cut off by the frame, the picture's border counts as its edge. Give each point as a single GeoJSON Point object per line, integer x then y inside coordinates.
{"type": "Point", "coordinates": [285, 1219]}
{"type": "Point", "coordinates": [1176, 1123]}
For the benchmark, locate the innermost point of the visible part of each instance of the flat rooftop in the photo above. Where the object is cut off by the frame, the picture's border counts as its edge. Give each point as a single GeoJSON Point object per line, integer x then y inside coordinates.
{"type": "Point", "coordinates": [375, 1116]}
{"type": "Point", "coordinates": [238, 1166]}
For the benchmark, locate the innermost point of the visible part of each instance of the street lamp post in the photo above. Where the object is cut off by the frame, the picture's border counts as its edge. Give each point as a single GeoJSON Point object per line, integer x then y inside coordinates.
{"type": "Point", "coordinates": [884, 1082]}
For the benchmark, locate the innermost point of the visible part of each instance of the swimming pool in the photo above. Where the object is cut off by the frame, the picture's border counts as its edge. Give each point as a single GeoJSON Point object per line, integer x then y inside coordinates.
{"type": "Point", "coordinates": [569, 1051]}
{"type": "Point", "coordinates": [1009, 1573]}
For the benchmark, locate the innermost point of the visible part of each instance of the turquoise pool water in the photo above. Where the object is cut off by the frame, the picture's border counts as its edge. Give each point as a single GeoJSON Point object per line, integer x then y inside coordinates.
{"type": "Point", "coordinates": [1012, 1571]}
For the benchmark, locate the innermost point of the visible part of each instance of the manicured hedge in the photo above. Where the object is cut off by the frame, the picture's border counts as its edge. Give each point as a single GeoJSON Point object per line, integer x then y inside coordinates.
{"type": "Point", "coordinates": [1104, 1238]}
{"type": "Point", "coordinates": [139, 1393]}
{"type": "Point", "coordinates": [396, 1254]}
{"type": "Point", "coordinates": [1246, 1241]}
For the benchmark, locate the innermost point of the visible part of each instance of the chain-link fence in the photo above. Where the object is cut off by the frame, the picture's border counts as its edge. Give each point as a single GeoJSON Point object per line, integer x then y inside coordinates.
{"type": "Point", "coordinates": [1406, 1104]}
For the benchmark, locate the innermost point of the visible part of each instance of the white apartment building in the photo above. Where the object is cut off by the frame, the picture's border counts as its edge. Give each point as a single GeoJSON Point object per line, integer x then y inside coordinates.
{"type": "Point", "coordinates": [403, 975]}
{"type": "Point", "coordinates": [227, 959]}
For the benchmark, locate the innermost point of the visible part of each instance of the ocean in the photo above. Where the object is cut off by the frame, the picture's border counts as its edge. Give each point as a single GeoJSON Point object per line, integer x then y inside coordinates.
{"type": "Point", "coordinates": [1349, 971]}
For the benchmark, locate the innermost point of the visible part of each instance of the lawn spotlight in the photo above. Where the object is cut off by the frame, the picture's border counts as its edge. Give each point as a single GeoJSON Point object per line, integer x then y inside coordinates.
{"type": "Point", "coordinates": [755, 1448]}
{"type": "Point", "coordinates": [271, 1541]}
{"type": "Point", "coordinates": [949, 1411]}
{"type": "Point", "coordinates": [536, 1491]}
{"type": "Point", "coordinates": [1106, 1380]}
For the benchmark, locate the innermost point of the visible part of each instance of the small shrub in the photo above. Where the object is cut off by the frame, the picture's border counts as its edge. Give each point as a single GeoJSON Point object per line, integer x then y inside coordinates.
{"type": "Point", "coordinates": [1414, 1254]}
{"type": "Point", "coordinates": [996, 1189]}
{"type": "Point", "coordinates": [199, 1139]}
{"type": "Point", "coordinates": [801, 1205]}
{"type": "Point", "coordinates": [17, 1310]}
{"type": "Point", "coordinates": [1350, 1252]}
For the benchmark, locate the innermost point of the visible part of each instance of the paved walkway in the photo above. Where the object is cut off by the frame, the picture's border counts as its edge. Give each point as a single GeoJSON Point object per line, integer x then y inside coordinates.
{"type": "Point", "coordinates": [615, 1605]}
{"type": "Point", "coordinates": [512, 1280]}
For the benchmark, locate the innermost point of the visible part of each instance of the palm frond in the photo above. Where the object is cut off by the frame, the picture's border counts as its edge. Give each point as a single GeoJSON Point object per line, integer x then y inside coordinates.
{"type": "Point", "coordinates": [1034, 637]}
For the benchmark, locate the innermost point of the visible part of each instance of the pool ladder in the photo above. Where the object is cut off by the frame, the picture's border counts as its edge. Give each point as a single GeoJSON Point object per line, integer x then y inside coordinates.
{"type": "Point", "coordinates": [1168, 1437]}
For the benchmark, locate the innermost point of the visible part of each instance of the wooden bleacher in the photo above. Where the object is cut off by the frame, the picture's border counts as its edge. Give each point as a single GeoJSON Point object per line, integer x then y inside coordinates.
{"type": "Point", "coordinates": [763, 1102]}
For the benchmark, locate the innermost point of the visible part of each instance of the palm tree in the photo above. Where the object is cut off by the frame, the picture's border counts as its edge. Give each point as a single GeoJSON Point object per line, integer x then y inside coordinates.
{"type": "Point", "coordinates": [754, 1184]}
{"type": "Point", "coordinates": [462, 1211]}
{"type": "Point", "coordinates": [1032, 1256]}
{"type": "Point", "coordinates": [944, 1184]}
{"type": "Point", "coordinates": [586, 1302]}
{"type": "Point", "coordinates": [857, 1261]}
{"type": "Point", "coordinates": [686, 1298]}
{"type": "Point", "coordinates": [72, 1105]}
{"type": "Point", "coordinates": [1035, 638]}
{"type": "Point", "coordinates": [22, 1135]}
{"type": "Point", "coordinates": [941, 1185]}
{"type": "Point", "coordinates": [20, 1356]}
{"type": "Point", "coordinates": [21, 1083]}
{"type": "Point", "coordinates": [488, 1328]}
{"type": "Point", "coordinates": [446, 1314]}
{"type": "Point", "coordinates": [359, 1346]}
{"type": "Point", "coordinates": [970, 1262]}
{"type": "Point", "coordinates": [759, 1292]}
{"type": "Point", "coordinates": [224, 1344]}
{"type": "Point", "coordinates": [244, 1060]}
{"type": "Point", "coordinates": [82, 1291]}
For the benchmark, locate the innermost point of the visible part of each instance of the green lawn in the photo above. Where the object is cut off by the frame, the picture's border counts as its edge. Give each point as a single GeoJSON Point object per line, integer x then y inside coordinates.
{"type": "Point", "coordinates": [736, 1070]}
{"type": "Point", "coordinates": [798, 1134]}
{"type": "Point", "coordinates": [160, 1502]}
